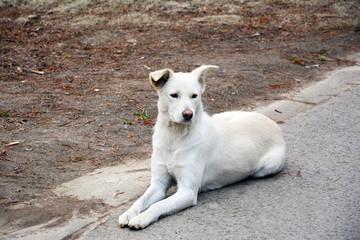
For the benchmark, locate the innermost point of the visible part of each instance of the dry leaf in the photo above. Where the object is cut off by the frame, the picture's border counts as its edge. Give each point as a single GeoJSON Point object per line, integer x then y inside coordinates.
{"type": "Point", "coordinates": [132, 138]}
{"type": "Point", "coordinates": [3, 152]}
{"type": "Point", "coordinates": [276, 85]}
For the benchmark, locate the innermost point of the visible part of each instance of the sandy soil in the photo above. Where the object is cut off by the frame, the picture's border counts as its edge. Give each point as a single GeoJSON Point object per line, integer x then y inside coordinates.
{"type": "Point", "coordinates": [74, 89]}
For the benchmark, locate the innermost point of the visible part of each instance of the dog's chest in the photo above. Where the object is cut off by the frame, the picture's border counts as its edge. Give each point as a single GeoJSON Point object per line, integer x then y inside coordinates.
{"type": "Point", "coordinates": [174, 160]}
{"type": "Point", "coordinates": [171, 162]}
{"type": "Point", "coordinates": [171, 167]}
{"type": "Point", "coordinates": [175, 150]}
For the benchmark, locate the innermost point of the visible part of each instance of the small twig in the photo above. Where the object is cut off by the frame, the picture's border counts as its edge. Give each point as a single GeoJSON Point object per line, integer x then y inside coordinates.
{"type": "Point", "coordinates": [12, 144]}
{"type": "Point", "coordinates": [298, 173]}
{"type": "Point", "coordinates": [11, 175]}
{"type": "Point", "coordinates": [87, 122]}
{"type": "Point", "coordinates": [64, 124]}
{"type": "Point", "coordinates": [102, 223]}
{"type": "Point", "coordinates": [8, 202]}
{"type": "Point", "coordinates": [143, 139]}
{"type": "Point", "coordinates": [277, 85]}
{"type": "Point", "coordinates": [57, 213]}
{"type": "Point", "coordinates": [68, 145]}
{"type": "Point", "coordinates": [334, 180]}
{"type": "Point", "coordinates": [119, 193]}
{"type": "Point", "coordinates": [38, 72]}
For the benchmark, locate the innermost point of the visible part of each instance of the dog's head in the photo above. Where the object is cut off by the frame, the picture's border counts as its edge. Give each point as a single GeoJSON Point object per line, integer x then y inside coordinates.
{"type": "Point", "coordinates": [180, 93]}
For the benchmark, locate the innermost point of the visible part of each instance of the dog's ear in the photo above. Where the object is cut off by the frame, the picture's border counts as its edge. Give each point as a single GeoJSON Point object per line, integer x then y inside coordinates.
{"type": "Point", "coordinates": [159, 78]}
{"type": "Point", "coordinates": [201, 73]}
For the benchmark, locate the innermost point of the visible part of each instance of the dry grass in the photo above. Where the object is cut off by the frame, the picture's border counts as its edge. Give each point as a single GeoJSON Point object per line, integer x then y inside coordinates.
{"type": "Point", "coordinates": [343, 14]}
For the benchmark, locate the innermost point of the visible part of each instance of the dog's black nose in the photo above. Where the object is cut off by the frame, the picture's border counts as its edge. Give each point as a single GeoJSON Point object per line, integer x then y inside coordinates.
{"type": "Point", "coordinates": [187, 114]}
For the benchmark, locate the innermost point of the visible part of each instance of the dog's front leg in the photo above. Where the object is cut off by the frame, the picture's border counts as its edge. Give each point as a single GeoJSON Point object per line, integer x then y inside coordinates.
{"type": "Point", "coordinates": [155, 192]}
{"type": "Point", "coordinates": [188, 175]}
{"type": "Point", "coordinates": [185, 197]}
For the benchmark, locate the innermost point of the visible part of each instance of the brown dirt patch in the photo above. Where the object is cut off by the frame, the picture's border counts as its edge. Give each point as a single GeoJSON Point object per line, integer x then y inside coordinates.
{"type": "Point", "coordinates": [74, 77]}
{"type": "Point", "coordinates": [47, 209]}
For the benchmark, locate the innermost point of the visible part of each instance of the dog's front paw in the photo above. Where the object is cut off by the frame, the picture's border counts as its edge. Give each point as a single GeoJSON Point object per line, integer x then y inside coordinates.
{"type": "Point", "coordinates": [125, 218]}
{"type": "Point", "coordinates": [140, 221]}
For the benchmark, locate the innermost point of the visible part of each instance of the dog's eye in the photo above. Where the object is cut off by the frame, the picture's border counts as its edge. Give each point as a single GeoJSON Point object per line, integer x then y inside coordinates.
{"type": "Point", "coordinates": [174, 95]}
{"type": "Point", "coordinates": [194, 96]}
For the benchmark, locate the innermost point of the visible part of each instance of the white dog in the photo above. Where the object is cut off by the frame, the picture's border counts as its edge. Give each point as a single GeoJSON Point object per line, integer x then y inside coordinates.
{"type": "Point", "coordinates": [199, 152]}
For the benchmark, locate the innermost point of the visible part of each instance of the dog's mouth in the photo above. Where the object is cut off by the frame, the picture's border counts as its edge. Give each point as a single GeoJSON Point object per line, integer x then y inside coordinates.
{"type": "Point", "coordinates": [182, 121]}
{"type": "Point", "coordinates": [185, 121]}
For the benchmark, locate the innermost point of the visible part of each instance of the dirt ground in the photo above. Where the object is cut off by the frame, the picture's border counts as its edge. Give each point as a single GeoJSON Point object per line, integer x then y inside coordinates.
{"type": "Point", "coordinates": [74, 89]}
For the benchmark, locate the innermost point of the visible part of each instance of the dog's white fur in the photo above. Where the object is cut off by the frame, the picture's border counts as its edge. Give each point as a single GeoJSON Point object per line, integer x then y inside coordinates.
{"type": "Point", "coordinates": [201, 153]}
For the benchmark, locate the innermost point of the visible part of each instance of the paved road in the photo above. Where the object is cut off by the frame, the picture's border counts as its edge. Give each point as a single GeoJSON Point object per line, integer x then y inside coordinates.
{"type": "Point", "coordinates": [317, 196]}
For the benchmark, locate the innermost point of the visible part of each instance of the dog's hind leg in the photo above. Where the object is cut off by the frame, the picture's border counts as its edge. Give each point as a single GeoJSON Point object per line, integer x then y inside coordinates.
{"type": "Point", "coordinates": [271, 163]}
